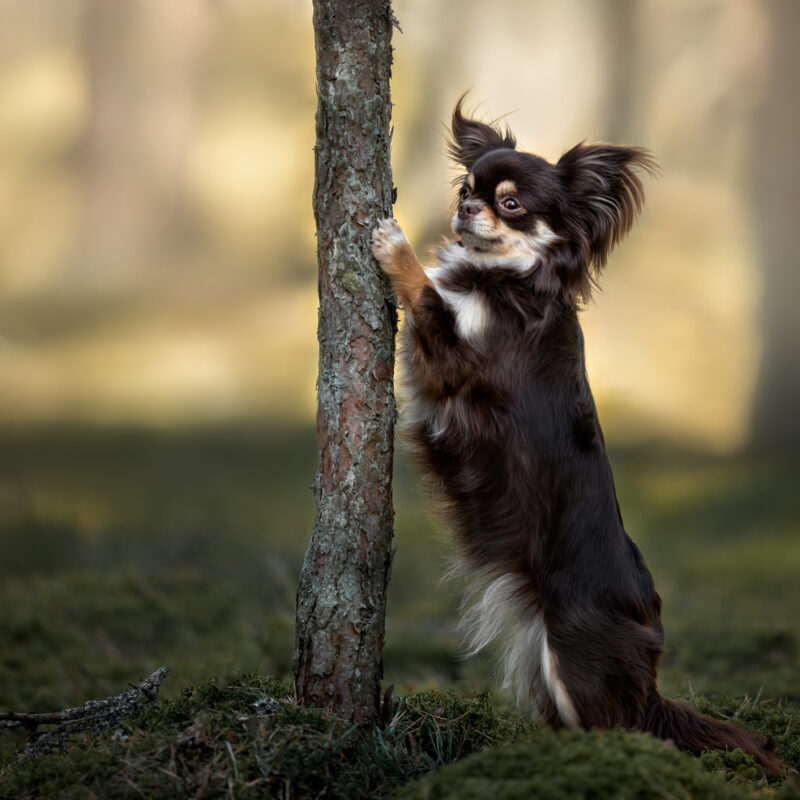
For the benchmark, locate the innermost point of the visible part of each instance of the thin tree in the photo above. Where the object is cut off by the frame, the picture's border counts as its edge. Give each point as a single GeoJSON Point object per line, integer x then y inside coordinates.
{"type": "Point", "coordinates": [341, 599]}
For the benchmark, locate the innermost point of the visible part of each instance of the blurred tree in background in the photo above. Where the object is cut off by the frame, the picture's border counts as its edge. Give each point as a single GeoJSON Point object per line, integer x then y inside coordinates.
{"type": "Point", "coordinates": [775, 167]}
{"type": "Point", "coordinates": [144, 66]}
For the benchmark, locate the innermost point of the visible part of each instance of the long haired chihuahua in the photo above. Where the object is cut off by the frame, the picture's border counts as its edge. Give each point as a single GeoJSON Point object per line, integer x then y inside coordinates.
{"type": "Point", "coordinates": [501, 413]}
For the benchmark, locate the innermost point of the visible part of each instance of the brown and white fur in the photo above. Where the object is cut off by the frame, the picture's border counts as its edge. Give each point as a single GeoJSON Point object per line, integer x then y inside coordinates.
{"type": "Point", "coordinates": [501, 413]}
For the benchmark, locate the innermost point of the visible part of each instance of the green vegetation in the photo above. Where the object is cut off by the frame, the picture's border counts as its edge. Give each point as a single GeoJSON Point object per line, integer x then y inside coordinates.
{"type": "Point", "coordinates": [246, 739]}
{"type": "Point", "coordinates": [121, 551]}
{"type": "Point", "coordinates": [557, 766]}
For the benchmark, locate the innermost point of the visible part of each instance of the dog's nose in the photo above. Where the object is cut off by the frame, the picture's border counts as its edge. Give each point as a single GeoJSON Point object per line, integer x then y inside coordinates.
{"type": "Point", "coordinates": [469, 208]}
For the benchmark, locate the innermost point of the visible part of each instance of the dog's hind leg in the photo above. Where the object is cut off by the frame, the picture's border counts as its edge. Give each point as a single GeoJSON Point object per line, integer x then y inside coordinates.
{"type": "Point", "coordinates": [601, 675]}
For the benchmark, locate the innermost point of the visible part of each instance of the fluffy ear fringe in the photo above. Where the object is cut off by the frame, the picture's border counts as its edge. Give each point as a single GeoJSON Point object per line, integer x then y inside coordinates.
{"type": "Point", "coordinates": [471, 139]}
{"type": "Point", "coordinates": [604, 194]}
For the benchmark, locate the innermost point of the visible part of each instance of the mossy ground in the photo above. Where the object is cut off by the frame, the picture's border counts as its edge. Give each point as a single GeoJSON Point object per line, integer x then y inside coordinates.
{"type": "Point", "coordinates": [246, 739]}
{"type": "Point", "coordinates": [556, 766]}
{"type": "Point", "coordinates": [121, 551]}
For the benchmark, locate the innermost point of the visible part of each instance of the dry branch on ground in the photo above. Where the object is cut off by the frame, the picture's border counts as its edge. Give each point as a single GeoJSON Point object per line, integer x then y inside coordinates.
{"type": "Point", "coordinates": [93, 715]}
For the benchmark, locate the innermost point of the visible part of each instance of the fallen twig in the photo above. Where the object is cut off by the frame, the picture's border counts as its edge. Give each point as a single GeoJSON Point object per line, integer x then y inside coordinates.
{"type": "Point", "coordinates": [94, 715]}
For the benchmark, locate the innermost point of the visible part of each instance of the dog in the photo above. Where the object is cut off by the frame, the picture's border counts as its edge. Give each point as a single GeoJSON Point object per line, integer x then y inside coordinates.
{"type": "Point", "coordinates": [502, 416]}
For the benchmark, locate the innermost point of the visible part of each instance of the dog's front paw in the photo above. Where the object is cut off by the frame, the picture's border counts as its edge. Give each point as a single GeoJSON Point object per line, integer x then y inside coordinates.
{"type": "Point", "coordinates": [399, 264]}
{"type": "Point", "coordinates": [387, 240]}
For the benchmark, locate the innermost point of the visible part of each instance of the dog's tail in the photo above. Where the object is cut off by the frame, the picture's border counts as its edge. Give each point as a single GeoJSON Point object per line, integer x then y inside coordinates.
{"type": "Point", "coordinates": [695, 732]}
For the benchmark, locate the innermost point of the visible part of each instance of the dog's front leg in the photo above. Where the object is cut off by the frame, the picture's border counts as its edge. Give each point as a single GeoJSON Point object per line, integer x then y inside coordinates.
{"type": "Point", "coordinates": [398, 261]}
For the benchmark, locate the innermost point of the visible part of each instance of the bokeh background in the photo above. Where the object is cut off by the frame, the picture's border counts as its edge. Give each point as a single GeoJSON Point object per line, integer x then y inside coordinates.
{"type": "Point", "coordinates": [158, 319]}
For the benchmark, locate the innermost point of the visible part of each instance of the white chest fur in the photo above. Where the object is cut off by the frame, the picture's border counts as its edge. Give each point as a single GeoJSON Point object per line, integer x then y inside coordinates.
{"type": "Point", "coordinates": [469, 306]}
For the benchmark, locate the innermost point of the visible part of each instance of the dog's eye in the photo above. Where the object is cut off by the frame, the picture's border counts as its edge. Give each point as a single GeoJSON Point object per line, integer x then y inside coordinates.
{"type": "Point", "coordinates": [510, 204]}
{"type": "Point", "coordinates": [464, 193]}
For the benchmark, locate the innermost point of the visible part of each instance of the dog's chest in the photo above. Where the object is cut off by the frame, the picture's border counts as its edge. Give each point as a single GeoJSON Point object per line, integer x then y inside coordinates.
{"type": "Point", "coordinates": [468, 306]}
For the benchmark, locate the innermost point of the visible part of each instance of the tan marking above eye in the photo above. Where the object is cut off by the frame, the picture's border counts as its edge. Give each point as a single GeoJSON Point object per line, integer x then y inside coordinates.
{"type": "Point", "coordinates": [505, 187]}
{"type": "Point", "coordinates": [471, 182]}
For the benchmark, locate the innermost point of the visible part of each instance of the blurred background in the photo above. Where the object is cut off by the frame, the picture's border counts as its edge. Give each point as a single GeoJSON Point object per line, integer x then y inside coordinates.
{"type": "Point", "coordinates": [158, 319]}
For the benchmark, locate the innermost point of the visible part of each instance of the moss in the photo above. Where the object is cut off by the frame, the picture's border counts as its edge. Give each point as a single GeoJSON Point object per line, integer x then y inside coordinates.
{"type": "Point", "coordinates": [790, 790]}
{"type": "Point", "coordinates": [85, 771]}
{"type": "Point", "coordinates": [780, 719]}
{"type": "Point", "coordinates": [247, 733]}
{"type": "Point", "coordinates": [733, 765]}
{"type": "Point", "coordinates": [556, 766]}
{"type": "Point", "coordinates": [128, 550]}
{"type": "Point", "coordinates": [448, 726]}
{"type": "Point", "coordinates": [79, 635]}
{"type": "Point", "coordinates": [245, 736]}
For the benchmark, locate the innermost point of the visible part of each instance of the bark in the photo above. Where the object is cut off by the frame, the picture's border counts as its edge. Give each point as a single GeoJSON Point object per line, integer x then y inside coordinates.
{"type": "Point", "coordinates": [776, 196]}
{"type": "Point", "coordinates": [341, 599]}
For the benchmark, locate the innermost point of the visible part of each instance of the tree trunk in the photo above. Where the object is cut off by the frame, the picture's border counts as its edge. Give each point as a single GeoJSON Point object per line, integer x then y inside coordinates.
{"type": "Point", "coordinates": [776, 196]}
{"type": "Point", "coordinates": [341, 599]}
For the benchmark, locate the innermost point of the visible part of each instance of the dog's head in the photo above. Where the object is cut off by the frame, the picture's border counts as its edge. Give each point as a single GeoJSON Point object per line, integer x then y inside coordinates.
{"type": "Point", "coordinates": [563, 219]}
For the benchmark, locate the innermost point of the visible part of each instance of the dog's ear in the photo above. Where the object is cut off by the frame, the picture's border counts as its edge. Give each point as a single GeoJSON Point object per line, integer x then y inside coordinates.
{"type": "Point", "coordinates": [603, 193]}
{"type": "Point", "coordinates": [471, 139]}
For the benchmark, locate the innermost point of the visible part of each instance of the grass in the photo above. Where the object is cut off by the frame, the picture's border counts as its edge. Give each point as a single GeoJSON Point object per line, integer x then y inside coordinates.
{"type": "Point", "coordinates": [122, 550]}
{"type": "Point", "coordinates": [244, 738]}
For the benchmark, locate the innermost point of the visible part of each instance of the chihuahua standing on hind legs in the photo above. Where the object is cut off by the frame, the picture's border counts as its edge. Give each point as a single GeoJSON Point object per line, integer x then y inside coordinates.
{"type": "Point", "coordinates": [501, 414]}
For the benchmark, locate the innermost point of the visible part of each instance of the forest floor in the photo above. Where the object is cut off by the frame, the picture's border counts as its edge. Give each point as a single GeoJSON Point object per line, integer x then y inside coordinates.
{"type": "Point", "coordinates": [125, 550]}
